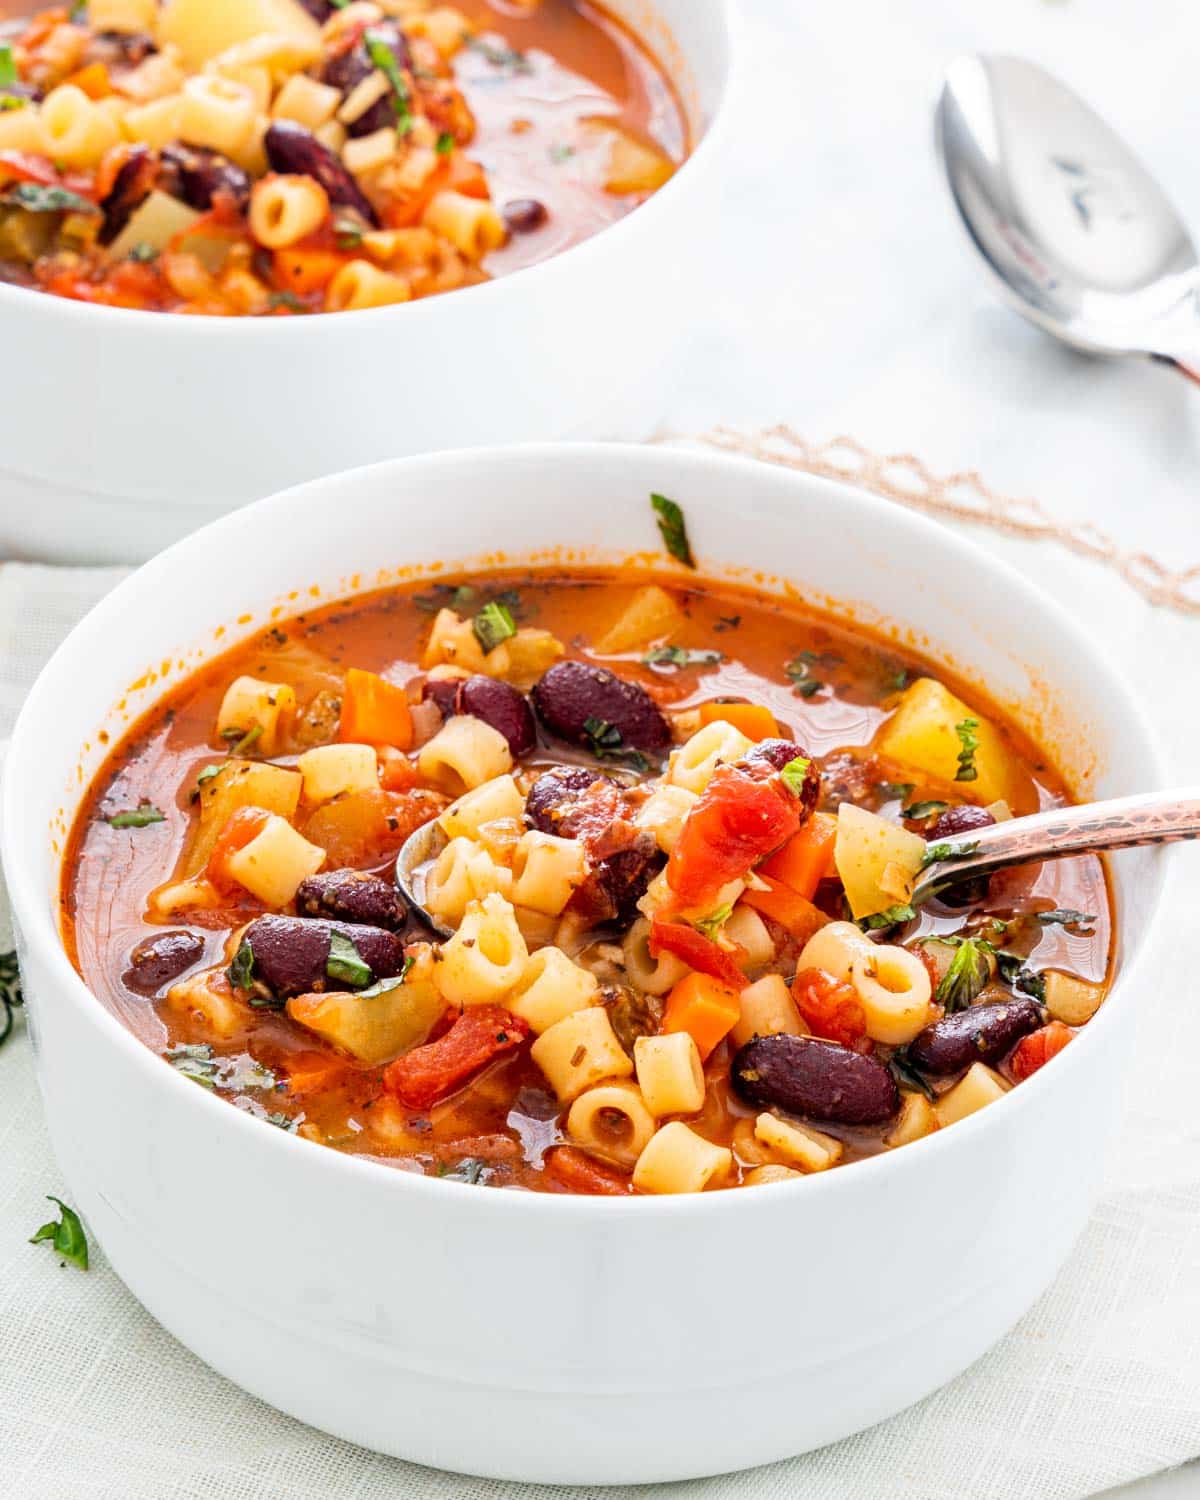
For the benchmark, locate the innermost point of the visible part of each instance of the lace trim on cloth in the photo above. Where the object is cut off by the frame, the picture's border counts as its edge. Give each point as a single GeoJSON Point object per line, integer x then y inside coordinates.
{"type": "Point", "coordinates": [965, 496]}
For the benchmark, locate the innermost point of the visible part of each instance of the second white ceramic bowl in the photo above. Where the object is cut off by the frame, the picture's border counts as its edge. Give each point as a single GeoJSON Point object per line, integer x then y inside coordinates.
{"type": "Point", "coordinates": [122, 431]}
{"type": "Point", "coordinates": [531, 1336]}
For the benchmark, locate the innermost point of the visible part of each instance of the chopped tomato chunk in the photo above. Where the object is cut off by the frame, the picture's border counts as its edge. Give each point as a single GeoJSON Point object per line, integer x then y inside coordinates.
{"type": "Point", "coordinates": [1035, 1050]}
{"type": "Point", "coordinates": [429, 1073]}
{"type": "Point", "coordinates": [696, 950]}
{"type": "Point", "coordinates": [737, 821]}
{"type": "Point", "coordinates": [243, 826]}
{"type": "Point", "coordinates": [831, 1008]}
{"type": "Point", "coordinates": [578, 1173]}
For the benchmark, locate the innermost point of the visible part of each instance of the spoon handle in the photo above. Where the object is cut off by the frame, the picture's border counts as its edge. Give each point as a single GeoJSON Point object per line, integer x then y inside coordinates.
{"type": "Point", "coordinates": [1150, 818]}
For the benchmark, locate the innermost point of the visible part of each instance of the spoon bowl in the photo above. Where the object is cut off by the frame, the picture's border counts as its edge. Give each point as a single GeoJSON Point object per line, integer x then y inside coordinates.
{"type": "Point", "coordinates": [1076, 233]}
{"type": "Point", "coordinates": [417, 853]}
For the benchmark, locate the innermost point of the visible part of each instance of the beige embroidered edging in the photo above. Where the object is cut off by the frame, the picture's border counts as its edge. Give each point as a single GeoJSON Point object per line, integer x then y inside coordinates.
{"type": "Point", "coordinates": [904, 478]}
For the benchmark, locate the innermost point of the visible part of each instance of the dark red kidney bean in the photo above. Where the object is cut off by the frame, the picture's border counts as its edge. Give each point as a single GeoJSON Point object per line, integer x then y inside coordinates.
{"type": "Point", "coordinates": [779, 753]}
{"type": "Point", "coordinates": [982, 1033]}
{"type": "Point", "coordinates": [118, 49]}
{"type": "Point", "coordinates": [554, 799]}
{"type": "Point", "coordinates": [195, 174]}
{"type": "Point", "coordinates": [613, 888]}
{"type": "Point", "coordinates": [956, 820]}
{"type": "Point", "coordinates": [292, 149]}
{"type": "Point", "coordinates": [347, 69]}
{"type": "Point", "coordinates": [821, 1079]}
{"type": "Point", "coordinates": [319, 10]}
{"type": "Point", "coordinates": [290, 953]}
{"type": "Point", "coordinates": [500, 705]}
{"type": "Point", "coordinates": [133, 182]}
{"type": "Point", "coordinates": [443, 691]}
{"type": "Point", "coordinates": [352, 896]}
{"type": "Point", "coordinates": [524, 215]}
{"type": "Point", "coordinates": [572, 692]}
{"type": "Point", "coordinates": [158, 960]}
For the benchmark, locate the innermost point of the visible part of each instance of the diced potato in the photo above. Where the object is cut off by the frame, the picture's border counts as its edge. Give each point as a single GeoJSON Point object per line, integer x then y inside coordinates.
{"type": "Point", "coordinates": [767, 1010]}
{"type": "Point", "coordinates": [771, 1172]}
{"type": "Point", "coordinates": [155, 222]}
{"type": "Point", "coordinates": [203, 28]}
{"type": "Point", "coordinates": [377, 1024]}
{"type": "Point", "coordinates": [633, 165]}
{"type": "Point", "coordinates": [274, 862]}
{"type": "Point", "coordinates": [811, 1150]}
{"type": "Point", "coordinates": [978, 1087]}
{"type": "Point", "coordinates": [1070, 1000]}
{"type": "Point", "coordinates": [240, 783]}
{"type": "Point", "coordinates": [531, 652]}
{"type": "Point", "coordinates": [922, 736]}
{"type": "Point", "coordinates": [916, 1118]}
{"type": "Point", "coordinates": [649, 616]}
{"type": "Point", "coordinates": [331, 770]}
{"type": "Point", "coordinates": [250, 705]}
{"type": "Point", "coordinates": [876, 861]}
{"type": "Point", "coordinates": [207, 997]}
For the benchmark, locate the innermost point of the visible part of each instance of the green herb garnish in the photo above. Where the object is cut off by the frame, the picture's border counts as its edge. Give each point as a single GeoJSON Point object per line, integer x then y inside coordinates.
{"type": "Point", "coordinates": [10, 994]}
{"type": "Point", "coordinates": [492, 625]}
{"type": "Point", "coordinates": [970, 969]}
{"type": "Point", "coordinates": [902, 1070]}
{"type": "Point", "coordinates": [393, 982]}
{"type": "Point", "coordinates": [8, 66]}
{"type": "Point", "coordinates": [348, 233]}
{"type": "Point", "coordinates": [1014, 970]}
{"type": "Point", "coordinates": [1064, 917]}
{"type": "Point", "coordinates": [794, 773]}
{"type": "Point", "coordinates": [673, 529]}
{"type": "Point", "coordinates": [500, 57]}
{"type": "Point", "coordinates": [898, 681]}
{"type": "Point", "coordinates": [12, 101]}
{"type": "Point", "coordinates": [382, 56]}
{"type": "Point", "coordinates": [285, 299]}
{"type": "Point", "coordinates": [140, 816]}
{"type": "Point", "coordinates": [804, 685]}
{"type": "Point", "coordinates": [919, 811]}
{"type": "Point", "coordinates": [143, 253]}
{"type": "Point", "coordinates": [345, 962]}
{"type": "Point", "coordinates": [241, 970]}
{"type": "Point", "coordinates": [198, 1062]}
{"type": "Point", "coordinates": [606, 742]}
{"type": "Point", "coordinates": [445, 144]}
{"type": "Point", "coordinates": [715, 919]}
{"type": "Point", "coordinates": [947, 852]}
{"type": "Point", "coordinates": [242, 739]}
{"type": "Point", "coordinates": [559, 153]}
{"type": "Point", "coordinates": [892, 917]}
{"type": "Point", "coordinates": [66, 1235]}
{"type": "Point", "coordinates": [41, 198]}
{"type": "Point", "coordinates": [679, 656]}
{"type": "Point", "coordinates": [969, 740]}
{"type": "Point", "coordinates": [470, 1169]}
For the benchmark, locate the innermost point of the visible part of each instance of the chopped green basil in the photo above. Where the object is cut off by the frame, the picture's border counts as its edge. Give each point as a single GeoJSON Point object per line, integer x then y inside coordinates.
{"type": "Point", "coordinates": [919, 811]}
{"type": "Point", "coordinates": [445, 144]}
{"type": "Point", "coordinates": [241, 970]}
{"type": "Point", "coordinates": [678, 656]}
{"type": "Point", "coordinates": [345, 962]}
{"type": "Point", "coordinates": [285, 299]}
{"type": "Point", "coordinates": [606, 742]}
{"type": "Point", "coordinates": [470, 1169]}
{"type": "Point", "coordinates": [1064, 917]}
{"type": "Point", "coordinates": [140, 816]}
{"type": "Point", "coordinates": [241, 740]}
{"type": "Point", "coordinates": [794, 773]}
{"type": "Point", "coordinates": [898, 681]}
{"type": "Point", "coordinates": [906, 1075]}
{"type": "Point", "coordinates": [382, 986]}
{"type": "Point", "coordinates": [143, 253]}
{"type": "Point", "coordinates": [41, 198]}
{"type": "Point", "coordinates": [10, 994]}
{"type": "Point", "coordinates": [889, 918]}
{"type": "Point", "coordinates": [65, 1234]}
{"type": "Point", "coordinates": [796, 671]}
{"type": "Point", "coordinates": [1014, 970]}
{"type": "Point", "coordinates": [969, 741]}
{"type": "Point", "coordinates": [936, 852]}
{"type": "Point", "coordinates": [198, 1062]}
{"type": "Point", "coordinates": [500, 57]}
{"type": "Point", "coordinates": [673, 529]}
{"type": "Point", "coordinates": [970, 969]}
{"type": "Point", "coordinates": [715, 919]}
{"type": "Point", "coordinates": [8, 66]}
{"type": "Point", "coordinates": [12, 101]}
{"type": "Point", "coordinates": [384, 59]}
{"type": "Point", "coordinates": [493, 625]}
{"type": "Point", "coordinates": [349, 233]}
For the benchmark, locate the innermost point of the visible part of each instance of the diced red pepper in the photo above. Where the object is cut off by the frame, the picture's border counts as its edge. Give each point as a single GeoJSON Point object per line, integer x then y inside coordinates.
{"type": "Point", "coordinates": [738, 820]}
{"type": "Point", "coordinates": [831, 1008]}
{"type": "Point", "coordinates": [696, 950]}
{"type": "Point", "coordinates": [578, 1173]}
{"type": "Point", "coordinates": [429, 1073]}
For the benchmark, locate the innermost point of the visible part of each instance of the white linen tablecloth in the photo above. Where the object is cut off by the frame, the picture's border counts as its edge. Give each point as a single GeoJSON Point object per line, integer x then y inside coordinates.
{"type": "Point", "coordinates": [837, 297]}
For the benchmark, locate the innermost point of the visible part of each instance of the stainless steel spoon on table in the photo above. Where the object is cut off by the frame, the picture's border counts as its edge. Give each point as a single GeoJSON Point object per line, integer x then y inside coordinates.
{"type": "Point", "coordinates": [1076, 233]}
{"type": "Point", "coordinates": [1149, 818]}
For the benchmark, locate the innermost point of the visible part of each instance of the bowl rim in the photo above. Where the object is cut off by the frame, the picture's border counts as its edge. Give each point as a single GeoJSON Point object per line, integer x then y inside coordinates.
{"type": "Point", "coordinates": [72, 313]}
{"type": "Point", "coordinates": [37, 929]}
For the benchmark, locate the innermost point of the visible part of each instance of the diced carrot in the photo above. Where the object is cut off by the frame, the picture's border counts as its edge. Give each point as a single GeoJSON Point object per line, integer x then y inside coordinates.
{"type": "Point", "coordinates": [245, 824]}
{"type": "Point", "coordinates": [831, 1008]}
{"type": "Point", "coordinates": [754, 720]}
{"type": "Point", "coordinates": [41, 26]}
{"type": "Point", "coordinates": [703, 1007]}
{"type": "Point", "coordinates": [1035, 1050]}
{"type": "Point", "coordinates": [303, 270]}
{"type": "Point", "coordinates": [578, 1173]}
{"type": "Point", "coordinates": [467, 177]}
{"type": "Point", "coordinates": [374, 711]}
{"type": "Point", "coordinates": [807, 857]}
{"type": "Point", "coordinates": [92, 80]}
{"type": "Point", "coordinates": [313, 1072]}
{"type": "Point", "coordinates": [787, 907]}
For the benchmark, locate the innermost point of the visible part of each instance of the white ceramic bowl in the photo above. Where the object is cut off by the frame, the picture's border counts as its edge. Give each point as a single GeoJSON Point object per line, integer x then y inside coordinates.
{"type": "Point", "coordinates": [122, 431]}
{"type": "Point", "coordinates": [541, 1337]}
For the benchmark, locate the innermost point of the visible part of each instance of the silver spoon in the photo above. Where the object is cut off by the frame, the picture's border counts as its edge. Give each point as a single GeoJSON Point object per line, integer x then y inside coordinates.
{"type": "Point", "coordinates": [1077, 234]}
{"type": "Point", "coordinates": [1149, 818]}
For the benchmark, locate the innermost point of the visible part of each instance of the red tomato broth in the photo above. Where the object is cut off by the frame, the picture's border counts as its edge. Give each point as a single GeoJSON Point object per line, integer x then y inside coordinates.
{"type": "Point", "coordinates": [507, 1115]}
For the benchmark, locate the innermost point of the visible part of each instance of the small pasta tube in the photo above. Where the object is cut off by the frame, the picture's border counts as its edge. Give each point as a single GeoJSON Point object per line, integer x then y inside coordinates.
{"type": "Point", "coordinates": [894, 990]}
{"type": "Point", "coordinates": [551, 988]}
{"type": "Point", "coordinates": [485, 957]}
{"type": "Point", "coordinates": [358, 101]}
{"type": "Point", "coordinates": [331, 770]}
{"type": "Point", "coordinates": [669, 1073]}
{"type": "Point", "coordinates": [490, 803]}
{"type": "Point", "coordinates": [274, 862]}
{"type": "Point", "coordinates": [809, 1149]}
{"type": "Point", "coordinates": [286, 209]}
{"type": "Point", "coordinates": [472, 225]}
{"type": "Point", "coordinates": [306, 101]}
{"type": "Point", "coordinates": [580, 1051]}
{"type": "Point", "coordinates": [250, 705]}
{"type": "Point", "coordinates": [360, 285]}
{"type": "Point", "coordinates": [834, 949]}
{"type": "Point", "coordinates": [22, 130]}
{"type": "Point", "coordinates": [461, 874]}
{"type": "Point", "coordinates": [767, 1173]}
{"type": "Point", "coordinates": [612, 1120]}
{"type": "Point", "coordinates": [444, 26]}
{"type": "Point", "coordinates": [216, 112]}
{"type": "Point", "coordinates": [748, 930]}
{"type": "Point", "coordinates": [978, 1087]}
{"type": "Point", "coordinates": [677, 1160]}
{"type": "Point", "coordinates": [76, 131]}
{"type": "Point", "coordinates": [547, 870]}
{"type": "Point", "coordinates": [1070, 1000]}
{"type": "Point", "coordinates": [663, 814]}
{"type": "Point", "coordinates": [691, 766]}
{"type": "Point", "coordinates": [155, 124]}
{"type": "Point", "coordinates": [463, 754]}
{"type": "Point", "coordinates": [916, 1118]}
{"type": "Point", "coordinates": [654, 976]}
{"type": "Point", "coordinates": [767, 1010]}
{"type": "Point", "coordinates": [367, 153]}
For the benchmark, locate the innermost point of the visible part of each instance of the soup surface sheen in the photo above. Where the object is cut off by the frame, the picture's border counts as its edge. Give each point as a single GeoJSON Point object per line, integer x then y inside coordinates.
{"type": "Point", "coordinates": [274, 158]}
{"type": "Point", "coordinates": [678, 826]}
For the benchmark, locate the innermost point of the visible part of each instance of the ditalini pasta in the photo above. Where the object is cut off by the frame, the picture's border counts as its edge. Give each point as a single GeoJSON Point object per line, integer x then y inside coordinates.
{"type": "Point", "coordinates": [675, 951]}
{"type": "Point", "coordinates": [305, 156]}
